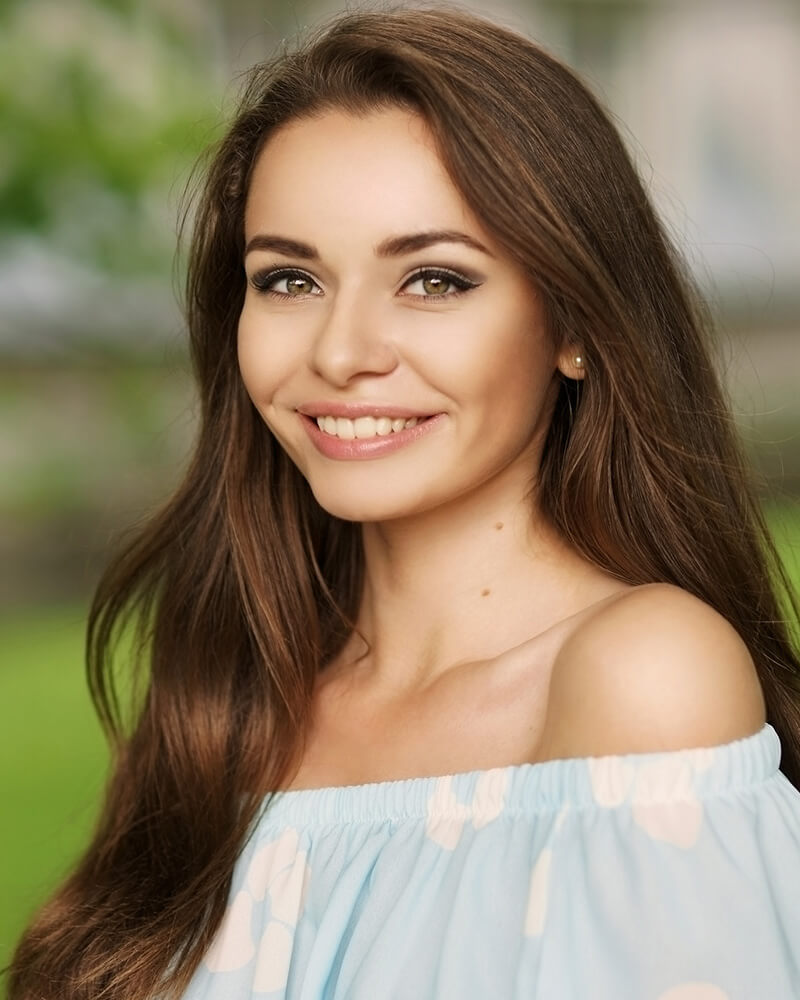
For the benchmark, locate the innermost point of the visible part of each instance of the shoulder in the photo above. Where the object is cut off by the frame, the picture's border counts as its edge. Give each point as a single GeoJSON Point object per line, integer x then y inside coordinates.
{"type": "Point", "coordinates": [654, 669]}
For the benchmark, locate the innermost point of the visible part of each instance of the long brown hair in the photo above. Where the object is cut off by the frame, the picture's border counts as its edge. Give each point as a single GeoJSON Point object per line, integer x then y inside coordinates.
{"type": "Point", "coordinates": [242, 587]}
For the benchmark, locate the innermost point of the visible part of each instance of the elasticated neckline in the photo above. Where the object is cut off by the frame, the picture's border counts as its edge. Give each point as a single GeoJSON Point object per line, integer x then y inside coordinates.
{"type": "Point", "coordinates": [535, 788]}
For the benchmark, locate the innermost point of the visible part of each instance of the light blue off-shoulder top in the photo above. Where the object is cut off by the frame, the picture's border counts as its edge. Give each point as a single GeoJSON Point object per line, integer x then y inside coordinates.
{"type": "Point", "coordinates": [658, 876]}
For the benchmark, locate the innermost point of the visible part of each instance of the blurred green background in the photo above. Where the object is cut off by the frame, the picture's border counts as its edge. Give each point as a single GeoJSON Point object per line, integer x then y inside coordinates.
{"type": "Point", "coordinates": [104, 107]}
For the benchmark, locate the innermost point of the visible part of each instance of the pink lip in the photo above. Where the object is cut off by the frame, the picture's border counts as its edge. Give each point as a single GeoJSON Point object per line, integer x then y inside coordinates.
{"type": "Point", "coordinates": [363, 448]}
{"type": "Point", "coordinates": [354, 410]}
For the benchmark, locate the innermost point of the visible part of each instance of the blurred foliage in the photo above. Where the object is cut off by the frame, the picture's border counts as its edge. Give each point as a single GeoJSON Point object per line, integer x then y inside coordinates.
{"type": "Point", "coordinates": [84, 451]}
{"type": "Point", "coordinates": [102, 106]}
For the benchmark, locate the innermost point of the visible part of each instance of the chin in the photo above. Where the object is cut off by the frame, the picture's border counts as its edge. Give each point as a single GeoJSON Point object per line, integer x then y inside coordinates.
{"type": "Point", "coordinates": [350, 506]}
{"type": "Point", "coordinates": [361, 512]}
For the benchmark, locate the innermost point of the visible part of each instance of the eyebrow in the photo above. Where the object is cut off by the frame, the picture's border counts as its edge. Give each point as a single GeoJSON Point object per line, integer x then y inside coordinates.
{"type": "Point", "coordinates": [395, 246]}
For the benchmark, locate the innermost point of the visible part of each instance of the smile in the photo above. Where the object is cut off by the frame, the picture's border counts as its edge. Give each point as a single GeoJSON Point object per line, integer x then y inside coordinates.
{"type": "Point", "coordinates": [367, 437]}
{"type": "Point", "coordinates": [365, 427]}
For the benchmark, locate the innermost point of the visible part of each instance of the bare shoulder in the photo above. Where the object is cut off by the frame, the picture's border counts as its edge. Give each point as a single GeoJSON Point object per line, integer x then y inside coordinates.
{"type": "Point", "coordinates": [654, 669]}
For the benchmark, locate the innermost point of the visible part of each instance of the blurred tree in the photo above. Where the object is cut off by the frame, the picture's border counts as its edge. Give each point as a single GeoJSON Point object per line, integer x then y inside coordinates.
{"type": "Point", "coordinates": [252, 27]}
{"type": "Point", "coordinates": [593, 30]}
{"type": "Point", "coordinates": [101, 106]}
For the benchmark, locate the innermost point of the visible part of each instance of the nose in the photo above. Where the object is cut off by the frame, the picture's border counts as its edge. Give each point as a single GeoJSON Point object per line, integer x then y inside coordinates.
{"type": "Point", "coordinates": [351, 340]}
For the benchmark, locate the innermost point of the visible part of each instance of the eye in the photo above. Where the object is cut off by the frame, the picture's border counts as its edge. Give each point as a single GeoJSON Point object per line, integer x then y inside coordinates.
{"type": "Point", "coordinates": [437, 283]}
{"type": "Point", "coordinates": [287, 283]}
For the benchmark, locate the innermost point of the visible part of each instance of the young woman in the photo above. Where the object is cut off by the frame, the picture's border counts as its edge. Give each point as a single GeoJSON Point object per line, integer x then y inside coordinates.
{"type": "Point", "coordinates": [464, 667]}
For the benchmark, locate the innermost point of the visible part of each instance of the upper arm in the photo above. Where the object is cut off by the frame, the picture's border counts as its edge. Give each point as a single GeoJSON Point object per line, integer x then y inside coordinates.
{"type": "Point", "coordinates": [657, 669]}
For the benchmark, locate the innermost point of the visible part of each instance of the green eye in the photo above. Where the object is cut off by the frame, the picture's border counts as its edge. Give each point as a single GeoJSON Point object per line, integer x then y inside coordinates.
{"type": "Point", "coordinates": [285, 284]}
{"type": "Point", "coordinates": [299, 285]}
{"type": "Point", "coordinates": [436, 285]}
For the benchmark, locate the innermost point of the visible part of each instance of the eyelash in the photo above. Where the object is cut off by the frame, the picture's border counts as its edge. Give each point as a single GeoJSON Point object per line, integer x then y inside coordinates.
{"type": "Point", "coordinates": [263, 279]}
{"type": "Point", "coordinates": [462, 283]}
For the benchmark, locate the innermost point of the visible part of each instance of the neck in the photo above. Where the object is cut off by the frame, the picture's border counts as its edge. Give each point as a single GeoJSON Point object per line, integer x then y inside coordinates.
{"type": "Point", "coordinates": [461, 583]}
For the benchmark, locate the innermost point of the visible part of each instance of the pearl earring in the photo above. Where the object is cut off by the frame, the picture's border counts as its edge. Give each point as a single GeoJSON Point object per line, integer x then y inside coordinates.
{"type": "Point", "coordinates": [578, 361]}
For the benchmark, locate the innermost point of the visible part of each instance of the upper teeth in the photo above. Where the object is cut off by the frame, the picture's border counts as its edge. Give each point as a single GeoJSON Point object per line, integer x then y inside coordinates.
{"type": "Point", "coordinates": [364, 427]}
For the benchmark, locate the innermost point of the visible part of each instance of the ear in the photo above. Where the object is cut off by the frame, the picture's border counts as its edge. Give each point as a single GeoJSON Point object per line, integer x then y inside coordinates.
{"type": "Point", "coordinates": [571, 362]}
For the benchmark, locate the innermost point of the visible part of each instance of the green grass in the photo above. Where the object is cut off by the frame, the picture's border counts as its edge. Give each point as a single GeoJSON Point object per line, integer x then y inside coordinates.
{"type": "Point", "coordinates": [53, 760]}
{"type": "Point", "coordinates": [784, 520]}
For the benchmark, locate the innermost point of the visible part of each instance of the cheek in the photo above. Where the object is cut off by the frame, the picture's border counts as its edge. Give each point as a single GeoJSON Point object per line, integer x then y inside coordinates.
{"type": "Point", "coordinates": [526, 358]}
{"type": "Point", "coordinates": [509, 372]}
{"type": "Point", "coordinates": [262, 363]}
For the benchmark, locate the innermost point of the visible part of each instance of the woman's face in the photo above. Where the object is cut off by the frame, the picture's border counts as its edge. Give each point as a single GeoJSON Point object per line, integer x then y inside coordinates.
{"type": "Point", "coordinates": [375, 297]}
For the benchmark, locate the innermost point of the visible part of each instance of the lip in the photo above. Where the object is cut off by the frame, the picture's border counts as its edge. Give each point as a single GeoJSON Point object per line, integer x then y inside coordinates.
{"type": "Point", "coordinates": [354, 410]}
{"type": "Point", "coordinates": [366, 448]}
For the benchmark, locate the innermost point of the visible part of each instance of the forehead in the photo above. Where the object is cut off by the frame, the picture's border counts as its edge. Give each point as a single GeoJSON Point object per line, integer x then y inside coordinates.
{"type": "Point", "coordinates": [377, 173]}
